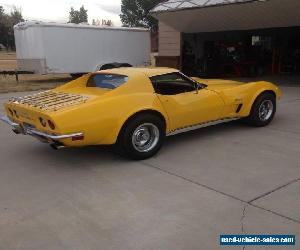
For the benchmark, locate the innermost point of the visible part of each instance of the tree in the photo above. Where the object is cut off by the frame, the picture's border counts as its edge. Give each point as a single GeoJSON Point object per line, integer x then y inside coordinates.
{"type": "Point", "coordinates": [78, 16]}
{"type": "Point", "coordinates": [3, 26]}
{"type": "Point", "coordinates": [107, 22]}
{"type": "Point", "coordinates": [135, 13]}
{"type": "Point", "coordinates": [14, 18]}
{"type": "Point", "coordinates": [7, 22]}
{"type": "Point", "coordinates": [16, 15]}
{"type": "Point", "coordinates": [103, 22]}
{"type": "Point", "coordinates": [1, 11]}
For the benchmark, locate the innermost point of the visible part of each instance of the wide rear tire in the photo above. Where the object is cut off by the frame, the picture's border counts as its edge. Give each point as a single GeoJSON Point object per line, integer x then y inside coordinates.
{"type": "Point", "coordinates": [141, 137]}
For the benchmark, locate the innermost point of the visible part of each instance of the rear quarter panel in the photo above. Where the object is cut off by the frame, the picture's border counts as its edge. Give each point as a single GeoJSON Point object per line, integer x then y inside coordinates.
{"type": "Point", "coordinates": [101, 121]}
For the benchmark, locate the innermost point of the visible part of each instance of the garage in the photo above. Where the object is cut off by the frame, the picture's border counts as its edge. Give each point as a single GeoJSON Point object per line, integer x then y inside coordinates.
{"type": "Point", "coordinates": [229, 38]}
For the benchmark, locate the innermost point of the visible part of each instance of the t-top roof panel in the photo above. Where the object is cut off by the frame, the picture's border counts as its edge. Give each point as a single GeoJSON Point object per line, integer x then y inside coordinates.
{"type": "Point", "coordinates": [173, 5]}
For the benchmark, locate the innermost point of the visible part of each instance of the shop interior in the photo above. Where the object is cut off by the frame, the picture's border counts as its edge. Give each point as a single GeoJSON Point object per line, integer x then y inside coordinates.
{"type": "Point", "coordinates": [248, 53]}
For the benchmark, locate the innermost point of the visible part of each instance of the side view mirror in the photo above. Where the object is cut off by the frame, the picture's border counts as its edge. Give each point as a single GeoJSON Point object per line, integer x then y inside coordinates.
{"type": "Point", "coordinates": [197, 87]}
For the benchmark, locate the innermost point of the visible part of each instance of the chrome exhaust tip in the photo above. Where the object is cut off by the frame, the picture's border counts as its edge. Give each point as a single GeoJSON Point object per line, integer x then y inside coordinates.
{"type": "Point", "coordinates": [57, 146]}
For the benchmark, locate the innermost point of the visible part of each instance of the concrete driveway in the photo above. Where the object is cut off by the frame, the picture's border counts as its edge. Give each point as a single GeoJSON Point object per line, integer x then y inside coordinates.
{"type": "Point", "coordinates": [219, 180]}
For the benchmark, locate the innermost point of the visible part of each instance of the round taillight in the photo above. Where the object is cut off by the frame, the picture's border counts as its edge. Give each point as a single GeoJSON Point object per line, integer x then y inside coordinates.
{"type": "Point", "coordinates": [11, 112]}
{"type": "Point", "coordinates": [51, 124]}
{"type": "Point", "coordinates": [16, 114]}
{"type": "Point", "coordinates": [42, 122]}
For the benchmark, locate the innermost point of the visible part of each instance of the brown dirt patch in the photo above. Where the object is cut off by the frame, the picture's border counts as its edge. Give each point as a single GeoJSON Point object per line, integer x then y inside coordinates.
{"type": "Point", "coordinates": [32, 82]}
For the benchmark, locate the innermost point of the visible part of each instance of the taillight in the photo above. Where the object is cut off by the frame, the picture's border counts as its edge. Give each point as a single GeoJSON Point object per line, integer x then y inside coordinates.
{"type": "Point", "coordinates": [51, 124]}
{"type": "Point", "coordinates": [11, 112]}
{"type": "Point", "coordinates": [42, 122]}
{"type": "Point", "coordinates": [16, 114]}
{"type": "Point", "coordinates": [78, 138]}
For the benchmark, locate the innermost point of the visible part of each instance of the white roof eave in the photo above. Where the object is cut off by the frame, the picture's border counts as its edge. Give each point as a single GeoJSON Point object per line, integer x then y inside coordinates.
{"type": "Point", "coordinates": [176, 5]}
{"type": "Point", "coordinates": [250, 15]}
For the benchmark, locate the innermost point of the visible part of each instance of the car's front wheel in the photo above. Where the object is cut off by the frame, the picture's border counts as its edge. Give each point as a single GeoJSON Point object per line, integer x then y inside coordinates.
{"type": "Point", "coordinates": [142, 136]}
{"type": "Point", "coordinates": [263, 110]}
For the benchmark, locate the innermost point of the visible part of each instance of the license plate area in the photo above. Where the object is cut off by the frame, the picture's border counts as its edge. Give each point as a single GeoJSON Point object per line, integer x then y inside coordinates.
{"type": "Point", "coordinates": [27, 126]}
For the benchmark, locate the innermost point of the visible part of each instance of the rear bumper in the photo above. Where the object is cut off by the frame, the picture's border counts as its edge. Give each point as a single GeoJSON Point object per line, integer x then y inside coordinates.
{"type": "Point", "coordinates": [15, 126]}
{"type": "Point", "coordinates": [44, 137]}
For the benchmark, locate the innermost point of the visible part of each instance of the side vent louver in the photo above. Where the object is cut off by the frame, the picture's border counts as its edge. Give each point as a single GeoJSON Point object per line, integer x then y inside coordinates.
{"type": "Point", "coordinates": [239, 108]}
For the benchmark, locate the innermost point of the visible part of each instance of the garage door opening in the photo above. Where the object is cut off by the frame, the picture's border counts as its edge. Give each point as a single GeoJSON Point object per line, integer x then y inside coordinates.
{"type": "Point", "coordinates": [242, 53]}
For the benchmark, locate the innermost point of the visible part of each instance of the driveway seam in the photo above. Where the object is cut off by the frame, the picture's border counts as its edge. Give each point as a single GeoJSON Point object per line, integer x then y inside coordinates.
{"type": "Point", "coordinates": [243, 223]}
{"type": "Point", "coordinates": [273, 212]}
{"type": "Point", "coordinates": [284, 131]}
{"type": "Point", "coordinates": [289, 101]}
{"type": "Point", "coordinates": [273, 190]}
{"type": "Point", "coordinates": [225, 194]}
{"type": "Point", "coordinates": [193, 182]}
{"type": "Point", "coordinates": [243, 218]}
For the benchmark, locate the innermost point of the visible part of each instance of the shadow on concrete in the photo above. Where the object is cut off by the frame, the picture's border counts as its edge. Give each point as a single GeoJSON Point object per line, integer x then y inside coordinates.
{"type": "Point", "coordinates": [103, 155]}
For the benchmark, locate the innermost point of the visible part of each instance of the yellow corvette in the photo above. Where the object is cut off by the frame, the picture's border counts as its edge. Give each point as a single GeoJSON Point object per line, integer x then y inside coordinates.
{"type": "Point", "coordinates": [135, 108]}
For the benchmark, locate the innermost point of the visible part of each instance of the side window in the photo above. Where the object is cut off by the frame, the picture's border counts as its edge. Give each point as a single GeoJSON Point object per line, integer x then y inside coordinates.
{"type": "Point", "coordinates": [106, 81]}
{"type": "Point", "coordinates": [172, 84]}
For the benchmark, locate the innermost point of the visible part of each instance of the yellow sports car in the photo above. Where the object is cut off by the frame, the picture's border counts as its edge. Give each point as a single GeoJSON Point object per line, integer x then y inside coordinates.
{"type": "Point", "coordinates": [135, 108]}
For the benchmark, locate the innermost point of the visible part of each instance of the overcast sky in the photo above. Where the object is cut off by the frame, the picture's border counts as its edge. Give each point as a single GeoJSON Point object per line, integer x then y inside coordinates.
{"type": "Point", "coordinates": [58, 10]}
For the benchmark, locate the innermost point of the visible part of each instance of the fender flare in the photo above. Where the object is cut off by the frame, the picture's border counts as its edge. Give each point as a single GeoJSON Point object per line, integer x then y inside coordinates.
{"type": "Point", "coordinates": [247, 108]}
{"type": "Point", "coordinates": [138, 112]}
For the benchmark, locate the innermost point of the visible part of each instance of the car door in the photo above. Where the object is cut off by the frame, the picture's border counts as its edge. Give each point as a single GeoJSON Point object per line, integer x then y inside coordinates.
{"type": "Point", "coordinates": [187, 106]}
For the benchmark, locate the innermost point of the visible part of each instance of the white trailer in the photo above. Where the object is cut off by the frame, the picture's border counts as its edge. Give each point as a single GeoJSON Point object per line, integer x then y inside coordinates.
{"type": "Point", "coordinates": [76, 48]}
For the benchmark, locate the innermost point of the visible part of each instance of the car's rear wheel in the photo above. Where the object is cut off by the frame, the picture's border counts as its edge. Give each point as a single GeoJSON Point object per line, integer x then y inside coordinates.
{"type": "Point", "coordinates": [142, 136]}
{"type": "Point", "coordinates": [263, 110]}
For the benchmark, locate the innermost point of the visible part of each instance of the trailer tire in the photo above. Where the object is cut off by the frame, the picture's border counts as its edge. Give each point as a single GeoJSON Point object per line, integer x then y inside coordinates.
{"type": "Point", "coordinates": [76, 75]}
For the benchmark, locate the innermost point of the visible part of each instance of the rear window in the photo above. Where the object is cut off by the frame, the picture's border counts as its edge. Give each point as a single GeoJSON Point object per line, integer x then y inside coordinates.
{"type": "Point", "coordinates": [106, 81]}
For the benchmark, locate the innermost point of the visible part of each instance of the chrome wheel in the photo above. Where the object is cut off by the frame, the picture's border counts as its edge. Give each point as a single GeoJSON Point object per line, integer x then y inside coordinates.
{"type": "Point", "coordinates": [145, 137]}
{"type": "Point", "coordinates": [266, 109]}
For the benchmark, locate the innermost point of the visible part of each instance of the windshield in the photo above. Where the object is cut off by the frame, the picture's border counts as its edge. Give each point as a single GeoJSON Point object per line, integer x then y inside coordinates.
{"type": "Point", "coordinates": [106, 81]}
